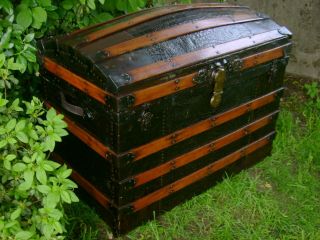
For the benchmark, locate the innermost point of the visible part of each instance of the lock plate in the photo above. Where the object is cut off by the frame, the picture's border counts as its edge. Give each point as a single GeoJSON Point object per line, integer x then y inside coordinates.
{"type": "Point", "coordinates": [219, 77]}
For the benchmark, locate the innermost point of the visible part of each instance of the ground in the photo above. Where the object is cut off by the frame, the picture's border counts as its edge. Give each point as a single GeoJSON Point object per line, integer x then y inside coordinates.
{"type": "Point", "coordinates": [278, 198]}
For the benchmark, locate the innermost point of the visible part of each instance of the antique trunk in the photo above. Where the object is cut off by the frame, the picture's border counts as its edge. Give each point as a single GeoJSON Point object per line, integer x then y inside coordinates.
{"type": "Point", "coordinates": [162, 102]}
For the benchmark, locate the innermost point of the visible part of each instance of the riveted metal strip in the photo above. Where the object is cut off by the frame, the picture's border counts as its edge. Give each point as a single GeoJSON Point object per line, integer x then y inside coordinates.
{"type": "Point", "coordinates": [176, 31]}
{"type": "Point", "coordinates": [147, 17]}
{"type": "Point", "coordinates": [76, 81]}
{"type": "Point", "coordinates": [202, 151]}
{"type": "Point", "coordinates": [200, 174]}
{"type": "Point", "coordinates": [180, 61]}
{"type": "Point", "coordinates": [202, 126]}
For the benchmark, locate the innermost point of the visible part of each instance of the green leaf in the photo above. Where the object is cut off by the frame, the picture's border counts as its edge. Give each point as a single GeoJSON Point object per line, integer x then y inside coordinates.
{"type": "Point", "coordinates": [73, 196]}
{"type": "Point", "coordinates": [65, 197]}
{"type": "Point", "coordinates": [3, 143]}
{"type": "Point", "coordinates": [24, 235]}
{"type": "Point", "coordinates": [7, 6]}
{"type": "Point", "coordinates": [10, 157]}
{"type": "Point", "coordinates": [28, 177]}
{"type": "Point", "coordinates": [24, 18]}
{"type": "Point", "coordinates": [20, 125]}
{"type": "Point", "coordinates": [39, 14]}
{"type": "Point", "coordinates": [91, 4]}
{"type": "Point", "coordinates": [67, 4]}
{"type": "Point", "coordinates": [23, 62]}
{"type": "Point", "coordinates": [51, 114]}
{"type": "Point", "coordinates": [5, 40]}
{"type": "Point", "coordinates": [44, 189]}
{"type": "Point", "coordinates": [19, 167]}
{"type": "Point", "coordinates": [102, 17]}
{"type": "Point", "coordinates": [29, 37]}
{"type": "Point", "coordinates": [101, 1]}
{"type": "Point", "coordinates": [10, 125]}
{"type": "Point", "coordinates": [66, 173]}
{"type": "Point", "coordinates": [13, 65]}
{"type": "Point", "coordinates": [30, 56]}
{"type": "Point", "coordinates": [2, 59]}
{"type": "Point", "coordinates": [22, 137]}
{"type": "Point", "coordinates": [52, 200]}
{"type": "Point", "coordinates": [41, 175]}
{"type": "Point", "coordinates": [122, 5]}
{"type": "Point", "coordinates": [7, 165]}
{"type": "Point", "coordinates": [33, 134]}
{"type": "Point", "coordinates": [15, 214]}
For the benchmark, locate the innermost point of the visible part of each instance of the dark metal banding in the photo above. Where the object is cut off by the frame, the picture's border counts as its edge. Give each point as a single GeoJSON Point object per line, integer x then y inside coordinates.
{"type": "Point", "coordinates": [176, 31]}
{"type": "Point", "coordinates": [185, 60]}
{"type": "Point", "coordinates": [75, 80]}
{"type": "Point", "coordinates": [202, 151]}
{"type": "Point", "coordinates": [202, 126]}
{"type": "Point", "coordinates": [184, 82]}
{"type": "Point", "coordinates": [200, 174]}
{"type": "Point", "coordinates": [146, 17]}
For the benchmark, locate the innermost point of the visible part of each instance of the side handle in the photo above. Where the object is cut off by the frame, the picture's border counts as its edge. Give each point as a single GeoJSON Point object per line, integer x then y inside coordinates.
{"type": "Point", "coordinates": [70, 107]}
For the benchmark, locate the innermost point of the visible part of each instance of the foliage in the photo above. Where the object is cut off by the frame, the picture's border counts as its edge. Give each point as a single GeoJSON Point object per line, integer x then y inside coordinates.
{"type": "Point", "coordinates": [24, 22]}
{"type": "Point", "coordinates": [33, 188]}
{"type": "Point", "coordinates": [313, 92]}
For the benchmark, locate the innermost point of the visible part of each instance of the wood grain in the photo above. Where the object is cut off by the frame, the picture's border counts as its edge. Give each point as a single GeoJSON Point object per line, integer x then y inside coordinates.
{"type": "Point", "coordinates": [204, 150]}
{"type": "Point", "coordinates": [263, 57]}
{"type": "Point", "coordinates": [176, 31]}
{"type": "Point", "coordinates": [180, 61]}
{"type": "Point", "coordinates": [76, 81]}
{"type": "Point", "coordinates": [204, 125]}
{"type": "Point", "coordinates": [147, 17]}
{"type": "Point", "coordinates": [200, 174]}
{"type": "Point", "coordinates": [164, 89]}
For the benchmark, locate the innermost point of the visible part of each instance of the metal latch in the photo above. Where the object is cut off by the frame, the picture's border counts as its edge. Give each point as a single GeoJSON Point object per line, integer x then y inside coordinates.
{"type": "Point", "coordinates": [219, 77]}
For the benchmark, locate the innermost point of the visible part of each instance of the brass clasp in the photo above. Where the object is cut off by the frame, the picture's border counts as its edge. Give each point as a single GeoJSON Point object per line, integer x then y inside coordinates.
{"type": "Point", "coordinates": [219, 77]}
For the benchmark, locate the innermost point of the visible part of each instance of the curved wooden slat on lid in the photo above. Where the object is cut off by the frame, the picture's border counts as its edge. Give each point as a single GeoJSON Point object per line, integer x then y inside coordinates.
{"type": "Point", "coordinates": [202, 151]}
{"type": "Point", "coordinates": [91, 27]}
{"type": "Point", "coordinates": [200, 174]}
{"type": "Point", "coordinates": [188, 59]}
{"type": "Point", "coordinates": [176, 31]}
{"type": "Point", "coordinates": [146, 17]}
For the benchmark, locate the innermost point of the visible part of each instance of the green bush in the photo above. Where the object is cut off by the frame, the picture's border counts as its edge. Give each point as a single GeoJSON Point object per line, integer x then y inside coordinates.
{"type": "Point", "coordinates": [32, 188]}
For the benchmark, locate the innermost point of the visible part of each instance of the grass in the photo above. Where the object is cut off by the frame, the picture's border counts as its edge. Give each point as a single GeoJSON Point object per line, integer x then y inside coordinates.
{"type": "Point", "coordinates": [278, 198]}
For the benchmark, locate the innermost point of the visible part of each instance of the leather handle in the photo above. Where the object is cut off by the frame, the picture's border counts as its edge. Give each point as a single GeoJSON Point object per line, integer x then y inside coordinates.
{"type": "Point", "coordinates": [70, 107]}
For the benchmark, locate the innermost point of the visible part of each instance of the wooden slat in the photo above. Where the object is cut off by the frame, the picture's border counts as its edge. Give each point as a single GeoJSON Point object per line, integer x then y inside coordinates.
{"type": "Point", "coordinates": [202, 126]}
{"type": "Point", "coordinates": [86, 185]}
{"type": "Point", "coordinates": [164, 89]}
{"type": "Point", "coordinates": [200, 174]}
{"type": "Point", "coordinates": [176, 31]}
{"type": "Point", "coordinates": [161, 67]}
{"type": "Point", "coordinates": [202, 151]}
{"type": "Point", "coordinates": [184, 82]}
{"type": "Point", "coordinates": [263, 57]}
{"type": "Point", "coordinates": [84, 136]}
{"type": "Point", "coordinates": [147, 17]}
{"type": "Point", "coordinates": [75, 80]}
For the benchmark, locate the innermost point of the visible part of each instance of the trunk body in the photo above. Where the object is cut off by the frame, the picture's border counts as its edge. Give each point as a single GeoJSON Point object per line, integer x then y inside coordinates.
{"type": "Point", "coordinates": [161, 103]}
